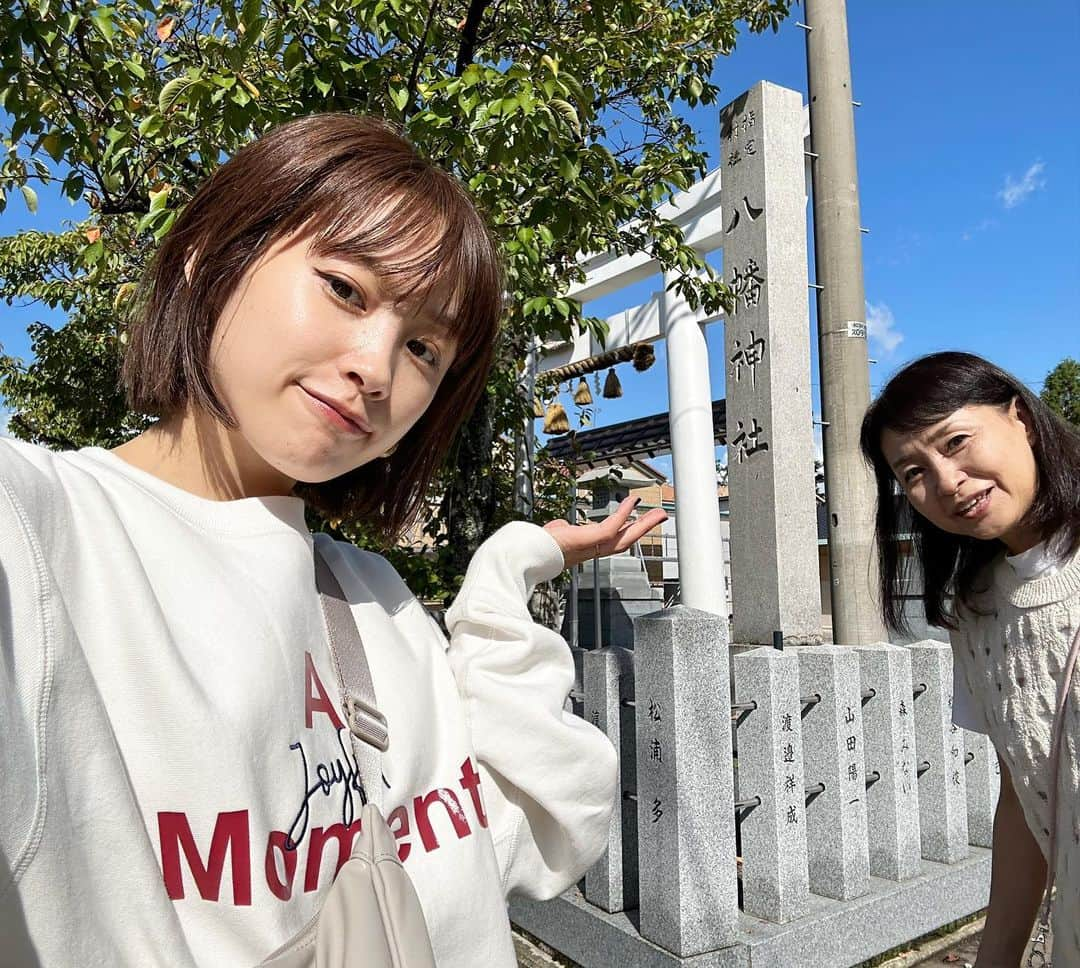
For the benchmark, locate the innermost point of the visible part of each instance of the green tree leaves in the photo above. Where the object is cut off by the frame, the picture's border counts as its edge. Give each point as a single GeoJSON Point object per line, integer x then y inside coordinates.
{"type": "Point", "coordinates": [1061, 391]}
{"type": "Point", "coordinates": [561, 118]}
{"type": "Point", "coordinates": [172, 95]}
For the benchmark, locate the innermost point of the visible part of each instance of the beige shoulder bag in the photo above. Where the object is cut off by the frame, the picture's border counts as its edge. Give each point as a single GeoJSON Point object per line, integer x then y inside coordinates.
{"type": "Point", "coordinates": [371, 917]}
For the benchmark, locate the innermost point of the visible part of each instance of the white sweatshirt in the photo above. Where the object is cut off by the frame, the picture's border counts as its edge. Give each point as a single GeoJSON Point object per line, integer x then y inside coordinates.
{"type": "Point", "coordinates": [168, 721]}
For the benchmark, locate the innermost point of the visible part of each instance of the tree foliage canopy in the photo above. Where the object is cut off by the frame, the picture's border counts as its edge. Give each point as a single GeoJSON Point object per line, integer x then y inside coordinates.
{"type": "Point", "coordinates": [560, 116]}
{"type": "Point", "coordinates": [1061, 390]}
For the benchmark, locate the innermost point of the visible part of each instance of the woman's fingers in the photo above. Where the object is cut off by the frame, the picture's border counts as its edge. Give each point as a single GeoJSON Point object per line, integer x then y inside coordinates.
{"type": "Point", "coordinates": [633, 531]}
{"type": "Point", "coordinates": [614, 534]}
{"type": "Point", "coordinates": [617, 521]}
{"type": "Point", "coordinates": [636, 530]}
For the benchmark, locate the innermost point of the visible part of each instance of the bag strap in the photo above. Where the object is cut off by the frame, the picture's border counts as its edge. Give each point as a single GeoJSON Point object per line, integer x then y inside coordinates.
{"type": "Point", "coordinates": [366, 725]}
{"type": "Point", "coordinates": [1039, 950]}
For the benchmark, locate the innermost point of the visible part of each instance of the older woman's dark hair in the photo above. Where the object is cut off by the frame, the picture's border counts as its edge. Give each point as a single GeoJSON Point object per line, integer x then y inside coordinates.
{"type": "Point", "coordinates": [358, 190]}
{"type": "Point", "coordinates": [920, 395]}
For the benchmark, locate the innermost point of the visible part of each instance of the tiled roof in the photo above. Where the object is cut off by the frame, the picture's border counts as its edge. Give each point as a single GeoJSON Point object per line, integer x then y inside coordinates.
{"type": "Point", "coordinates": [632, 439]}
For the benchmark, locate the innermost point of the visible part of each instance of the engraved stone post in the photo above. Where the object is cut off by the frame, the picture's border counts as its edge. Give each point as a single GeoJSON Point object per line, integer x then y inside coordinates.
{"type": "Point", "coordinates": [773, 833]}
{"type": "Point", "coordinates": [943, 787]}
{"type": "Point", "coordinates": [688, 887]}
{"type": "Point", "coordinates": [983, 785]}
{"type": "Point", "coordinates": [774, 568]}
{"type": "Point", "coordinates": [612, 882]}
{"type": "Point", "coordinates": [833, 755]}
{"type": "Point", "coordinates": [575, 701]}
{"type": "Point", "coordinates": [892, 801]}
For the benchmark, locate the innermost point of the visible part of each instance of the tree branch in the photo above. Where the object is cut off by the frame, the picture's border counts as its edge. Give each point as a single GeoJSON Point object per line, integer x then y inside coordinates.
{"type": "Point", "coordinates": [470, 34]}
{"type": "Point", "coordinates": [61, 90]}
{"type": "Point", "coordinates": [421, 48]}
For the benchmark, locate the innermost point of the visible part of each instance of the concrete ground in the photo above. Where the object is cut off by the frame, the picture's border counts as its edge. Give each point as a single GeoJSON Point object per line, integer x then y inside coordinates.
{"type": "Point", "coordinates": [957, 947]}
{"type": "Point", "coordinates": [963, 954]}
{"type": "Point", "coordinates": [531, 954]}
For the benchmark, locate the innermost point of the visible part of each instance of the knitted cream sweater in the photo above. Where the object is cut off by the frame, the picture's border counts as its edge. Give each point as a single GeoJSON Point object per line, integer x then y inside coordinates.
{"type": "Point", "coordinates": [1012, 651]}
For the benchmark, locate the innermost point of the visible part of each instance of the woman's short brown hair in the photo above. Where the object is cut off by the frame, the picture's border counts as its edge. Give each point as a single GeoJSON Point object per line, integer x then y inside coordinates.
{"type": "Point", "coordinates": [358, 190]}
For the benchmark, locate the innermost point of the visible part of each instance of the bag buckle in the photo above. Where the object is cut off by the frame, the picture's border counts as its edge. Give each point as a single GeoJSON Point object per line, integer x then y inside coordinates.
{"type": "Point", "coordinates": [366, 723]}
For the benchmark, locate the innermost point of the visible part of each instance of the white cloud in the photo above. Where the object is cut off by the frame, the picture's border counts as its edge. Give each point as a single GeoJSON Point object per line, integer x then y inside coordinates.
{"type": "Point", "coordinates": [986, 223]}
{"type": "Point", "coordinates": [881, 327]}
{"type": "Point", "coordinates": [1016, 192]}
{"type": "Point", "coordinates": [5, 416]}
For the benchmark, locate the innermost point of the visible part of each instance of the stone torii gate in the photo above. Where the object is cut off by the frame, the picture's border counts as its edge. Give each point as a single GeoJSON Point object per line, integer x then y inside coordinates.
{"type": "Point", "coordinates": [753, 208]}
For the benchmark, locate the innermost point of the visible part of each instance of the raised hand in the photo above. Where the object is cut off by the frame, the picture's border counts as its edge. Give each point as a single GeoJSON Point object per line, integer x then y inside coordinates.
{"type": "Point", "coordinates": [582, 542]}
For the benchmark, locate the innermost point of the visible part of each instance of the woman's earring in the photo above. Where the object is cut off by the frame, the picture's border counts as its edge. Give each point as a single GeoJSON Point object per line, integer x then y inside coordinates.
{"type": "Point", "coordinates": [390, 452]}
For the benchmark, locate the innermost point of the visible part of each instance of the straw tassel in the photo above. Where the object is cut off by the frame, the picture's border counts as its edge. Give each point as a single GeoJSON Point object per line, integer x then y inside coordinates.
{"type": "Point", "coordinates": [582, 396]}
{"type": "Point", "coordinates": [612, 386]}
{"type": "Point", "coordinates": [555, 420]}
{"type": "Point", "coordinates": [538, 409]}
{"type": "Point", "coordinates": [644, 357]}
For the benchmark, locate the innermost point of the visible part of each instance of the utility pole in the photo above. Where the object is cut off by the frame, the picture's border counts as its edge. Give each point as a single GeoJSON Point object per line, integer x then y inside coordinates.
{"type": "Point", "coordinates": [841, 304]}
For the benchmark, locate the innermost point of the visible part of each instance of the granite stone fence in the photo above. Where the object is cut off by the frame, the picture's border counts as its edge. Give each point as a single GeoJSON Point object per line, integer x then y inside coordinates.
{"type": "Point", "coordinates": [811, 806]}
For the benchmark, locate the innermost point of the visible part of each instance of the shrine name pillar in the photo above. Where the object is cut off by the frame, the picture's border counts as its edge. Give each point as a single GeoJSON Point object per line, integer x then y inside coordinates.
{"type": "Point", "coordinates": [774, 551]}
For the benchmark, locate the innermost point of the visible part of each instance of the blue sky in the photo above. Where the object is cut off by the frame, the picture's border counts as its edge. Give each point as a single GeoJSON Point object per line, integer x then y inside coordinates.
{"type": "Point", "coordinates": [969, 154]}
{"type": "Point", "coordinates": [968, 146]}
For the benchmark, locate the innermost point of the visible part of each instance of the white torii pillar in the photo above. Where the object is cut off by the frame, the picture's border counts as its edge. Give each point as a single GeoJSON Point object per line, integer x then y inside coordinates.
{"type": "Point", "coordinates": [667, 315]}
{"type": "Point", "coordinates": [693, 455]}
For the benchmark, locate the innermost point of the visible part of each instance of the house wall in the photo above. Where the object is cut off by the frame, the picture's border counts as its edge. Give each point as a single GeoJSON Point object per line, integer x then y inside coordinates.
{"type": "Point", "coordinates": [661, 542]}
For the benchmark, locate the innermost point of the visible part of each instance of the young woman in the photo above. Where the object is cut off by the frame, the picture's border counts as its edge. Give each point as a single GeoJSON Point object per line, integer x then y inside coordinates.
{"type": "Point", "coordinates": [993, 477]}
{"type": "Point", "coordinates": [174, 774]}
